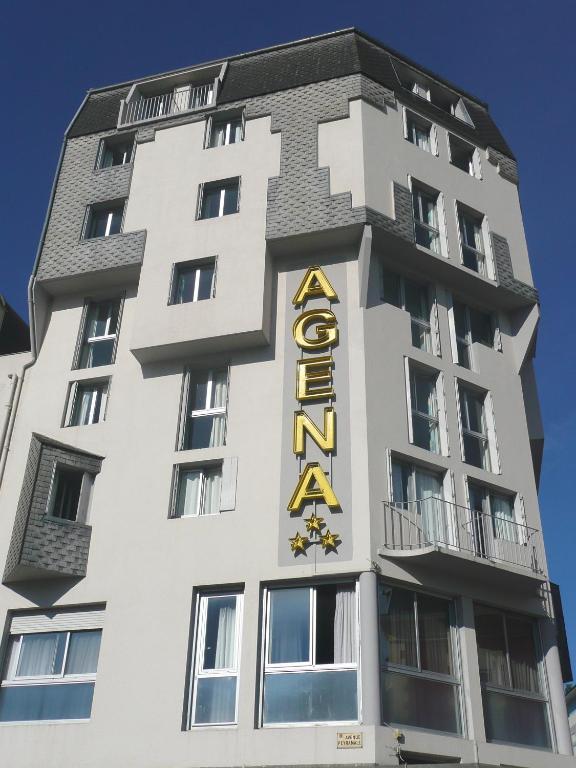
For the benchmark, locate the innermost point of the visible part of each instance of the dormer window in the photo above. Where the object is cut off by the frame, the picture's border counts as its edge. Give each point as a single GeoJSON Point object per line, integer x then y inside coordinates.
{"type": "Point", "coordinates": [421, 90]}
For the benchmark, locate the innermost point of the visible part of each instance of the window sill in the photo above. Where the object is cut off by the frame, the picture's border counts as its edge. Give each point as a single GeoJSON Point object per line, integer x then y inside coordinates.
{"type": "Point", "coordinates": [110, 168]}
{"type": "Point", "coordinates": [101, 237]}
{"type": "Point", "coordinates": [321, 724]}
{"type": "Point", "coordinates": [430, 251]}
{"type": "Point", "coordinates": [6, 724]}
{"type": "Point", "coordinates": [61, 521]}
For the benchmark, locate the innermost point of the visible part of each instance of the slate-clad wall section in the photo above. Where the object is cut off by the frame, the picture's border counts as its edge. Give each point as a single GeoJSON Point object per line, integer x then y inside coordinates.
{"type": "Point", "coordinates": [41, 545]}
{"type": "Point", "coordinates": [80, 184]}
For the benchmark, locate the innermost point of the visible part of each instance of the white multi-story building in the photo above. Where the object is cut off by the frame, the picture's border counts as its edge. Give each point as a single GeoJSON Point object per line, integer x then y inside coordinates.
{"type": "Point", "coordinates": [269, 476]}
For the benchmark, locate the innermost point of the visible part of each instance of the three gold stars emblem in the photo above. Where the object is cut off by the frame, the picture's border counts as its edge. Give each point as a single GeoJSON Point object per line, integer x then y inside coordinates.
{"type": "Point", "coordinates": [328, 541]}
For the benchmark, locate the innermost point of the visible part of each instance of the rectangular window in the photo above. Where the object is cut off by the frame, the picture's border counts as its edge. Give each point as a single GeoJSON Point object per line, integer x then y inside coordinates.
{"type": "Point", "coordinates": [193, 281]}
{"type": "Point", "coordinates": [115, 150]}
{"type": "Point", "coordinates": [104, 219]}
{"type": "Point", "coordinates": [471, 325]}
{"type": "Point", "coordinates": [426, 227]}
{"type": "Point", "coordinates": [99, 334]}
{"type": "Point", "coordinates": [219, 198]}
{"type": "Point", "coordinates": [515, 708]}
{"type": "Point", "coordinates": [216, 665]}
{"type": "Point", "coordinates": [472, 241]}
{"type": "Point", "coordinates": [419, 679]}
{"type": "Point", "coordinates": [462, 155]}
{"type": "Point", "coordinates": [413, 298]}
{"type": "Point", "coordinates": [227, 130]}
{"type": "Point", "coordinates": [476, 448]}
{"type": "Point", "coordinates": [424, 409]}
{"type": "Point", "coordinates": [87, 403]}
{"type": "Point", "coordinates": [494, 529]}
{"type": "Point", "coordinates": [311, 655]}
{"type": "Point", "coordinates": [419, 131]}
{"type": "Point", "coordinates": [197, 491]}
{"type": "Point", "coordinates": [69, 493]}
{"type": "Point", "coordinates": [49, 675]}
{"type": "Point", "coordinates": [205, 417]}
{"type": "Point", "coordinates": [420, 493]}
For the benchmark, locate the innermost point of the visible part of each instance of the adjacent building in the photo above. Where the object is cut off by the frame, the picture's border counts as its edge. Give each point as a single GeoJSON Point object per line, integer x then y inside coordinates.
{"type": "Point", "coordinates": [270, 494]}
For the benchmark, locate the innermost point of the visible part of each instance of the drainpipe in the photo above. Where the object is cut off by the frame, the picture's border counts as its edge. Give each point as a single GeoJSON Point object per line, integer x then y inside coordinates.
{"type": "Point", "coordinates": [32, 303]}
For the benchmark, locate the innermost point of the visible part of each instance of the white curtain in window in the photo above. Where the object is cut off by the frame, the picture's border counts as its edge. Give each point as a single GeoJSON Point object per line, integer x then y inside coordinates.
{"type": "Point", "coordinates": [83, 650]}
{"type": "Point", "coordinates": [83, 405]}
{"type": "Point", "coordinates": [219, 386]}
{"type": "Point", "coordinates": [503, 516]}
{"type": "Point", "coordinates": [345, 625]}
{"type": "Point", "coordinates": [431, 508]}
{"type": "Point", "coordinates": [188, 493]}
{"type": "Point", "coordinates": [38, 654]}
{"type": "Point", "coordinates": [217, 431]}
{"type": "Point", "coordinates": [211, 505]}
{"type": "Point", "coordinates": [226, 641]}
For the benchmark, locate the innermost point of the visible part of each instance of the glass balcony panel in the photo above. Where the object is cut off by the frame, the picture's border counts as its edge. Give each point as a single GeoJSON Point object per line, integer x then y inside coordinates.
{"type": "Point", "coordinates": [310, 697]}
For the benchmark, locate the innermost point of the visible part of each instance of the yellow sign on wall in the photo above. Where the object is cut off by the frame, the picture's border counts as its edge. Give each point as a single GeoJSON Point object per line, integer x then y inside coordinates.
{"type": "Point", "coordinates": [313, 330]}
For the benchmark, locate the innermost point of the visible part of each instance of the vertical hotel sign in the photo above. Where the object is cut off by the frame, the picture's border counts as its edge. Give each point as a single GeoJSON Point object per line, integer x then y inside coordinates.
{"type": "Point", "coordinates": [314, 331]}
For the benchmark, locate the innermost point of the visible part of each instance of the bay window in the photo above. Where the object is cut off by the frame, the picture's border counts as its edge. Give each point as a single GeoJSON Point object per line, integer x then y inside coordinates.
{"type": "Point", "coordinates": [419, 678]}
{"type": "Point", "coordinates": [509, 657]}
{"type": "Point", "coordinates": [216, 663]}
{"type": "Point", "coordinates": [311, 655]}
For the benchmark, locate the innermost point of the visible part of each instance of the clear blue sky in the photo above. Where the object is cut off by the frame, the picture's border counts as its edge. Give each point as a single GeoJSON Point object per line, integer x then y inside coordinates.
{"type": "Point", "coordinates": [516, 54]}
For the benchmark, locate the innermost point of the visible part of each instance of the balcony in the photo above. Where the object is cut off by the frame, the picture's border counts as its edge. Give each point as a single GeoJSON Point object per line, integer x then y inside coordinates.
{"type": "Point", "coordinates": [181, 99]}
{"type": "Point", "coordinates": [438, 529]}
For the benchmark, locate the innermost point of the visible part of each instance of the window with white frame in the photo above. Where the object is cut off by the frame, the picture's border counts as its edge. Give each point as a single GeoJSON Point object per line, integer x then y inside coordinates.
{"type": "Point", "coordinates": [193, 281]}
{"type": "Point", "coordinates": [421, 90]}
{"type": "Point", "coordinates": [471, 325]}
{"type": "Point", "coordinates": [419, 492]}
{"type": "Point", "coordinates": [197, 491]}
{"type": "Point", "coordinates": [87, 403]}
{"type": "Point", "coordinates": [513, 687]}
{"type": "Point", "coordinates": [419, 678]}
{"type": "Point", "coordinates": [104, 219]}
{"type": "Point", "coordinates": [424, 408]}
{"type": "Point", "coordinates": [414, 298]}
{"type": "Point", "coordinates": [463, 155]}
{"type": "Point", "coordinates": [419, 131]}
{"type": "Point", "coordinates": [426, 225]}
{"type": "Point", "coordinates": [115, 150]}
{"type": "Point", "coordinates": [205, 409]}
{"type": "Point", "coordinates": [99, 333]}
{"type": "Point", "coordinates": [311, 654]}
{"type": "Point", "coordinates": [50, 670]}
{"type": "Point", "coordinates": [493, 520]}
{"type": "Point", "coordinates": [214, 699]}
{"type": "Point", "coordinates": [219, 198]}
{"type": "Point", "coordinates": [472, 241]}
{"type": "Point", "coordinates": [69, 493]}
{"type": "Point", "coordinates": [475, 438]}
{"type": "Point", "coordinates": [225, 130]}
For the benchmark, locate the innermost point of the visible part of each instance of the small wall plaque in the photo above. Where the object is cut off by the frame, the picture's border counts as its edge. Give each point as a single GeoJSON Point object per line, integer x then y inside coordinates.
{"type": "Point", "coordinates": [349, 741]}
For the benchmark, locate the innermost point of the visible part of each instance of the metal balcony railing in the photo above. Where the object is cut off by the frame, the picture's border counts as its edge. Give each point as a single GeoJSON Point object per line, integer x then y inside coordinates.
{"type": "Point", "coordinates": [182, 99]}
{"type": "Point", "coordinates": [434, 522]}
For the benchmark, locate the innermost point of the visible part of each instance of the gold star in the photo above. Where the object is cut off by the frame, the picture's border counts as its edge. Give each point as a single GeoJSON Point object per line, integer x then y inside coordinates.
{"type": "Point", "coordinates": [328, 540]}
{"type": "Point", "coordinates": [314, 523]}
{"type": "Point", "coordinates": [298, 543]}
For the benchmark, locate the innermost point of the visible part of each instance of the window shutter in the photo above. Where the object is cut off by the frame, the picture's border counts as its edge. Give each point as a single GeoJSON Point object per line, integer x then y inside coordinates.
{"type": "Point", "coordinates": [57, 621]}
{"type": "Point", "coordinates": [408, 400]}
{"type": "Point", "coordinates": [442, 417]}
{"type": "Point", "coordinates": [492, 438]}
{"type": "Point", "coordinates": [228, 487]}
